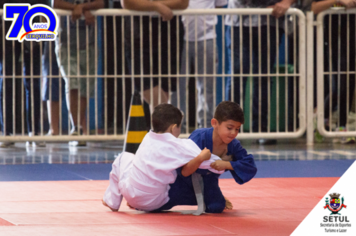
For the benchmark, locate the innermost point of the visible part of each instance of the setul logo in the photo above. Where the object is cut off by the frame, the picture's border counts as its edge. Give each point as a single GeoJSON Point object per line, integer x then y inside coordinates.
{"type": "Point", "coordinates": [335, 222]}
{"type": "Point", "coordinates": [335, 206]}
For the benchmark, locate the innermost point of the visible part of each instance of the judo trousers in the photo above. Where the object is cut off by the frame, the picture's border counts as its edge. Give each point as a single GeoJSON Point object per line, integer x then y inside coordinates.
{"type": "Point", "coordinates": [182, 193]}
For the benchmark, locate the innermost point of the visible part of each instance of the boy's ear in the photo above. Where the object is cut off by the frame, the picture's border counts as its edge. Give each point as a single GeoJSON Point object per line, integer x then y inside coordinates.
{"type": "Point", "coordinates": [172, 127]}
{"type": "Point", "coordinates": [214, 122]}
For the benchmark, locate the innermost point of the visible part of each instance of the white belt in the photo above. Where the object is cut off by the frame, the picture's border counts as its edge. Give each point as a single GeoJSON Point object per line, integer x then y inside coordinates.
{"type": "Point", "coordinates": [198, 186]}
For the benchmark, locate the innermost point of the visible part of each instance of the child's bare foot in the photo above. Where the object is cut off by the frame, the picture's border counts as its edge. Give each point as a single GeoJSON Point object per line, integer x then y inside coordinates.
{"type": "Point", "coordinates": [130, 206]}
{"type": "Point", "coordinates": [228, 204]}
{"type": "Point", "coordinates": [104, 203]}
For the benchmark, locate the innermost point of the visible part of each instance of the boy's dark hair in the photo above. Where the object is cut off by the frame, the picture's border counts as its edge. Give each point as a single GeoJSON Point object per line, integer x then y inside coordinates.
{"type": "Point", "coordinates": [165, 115]}
{"type": "Point", "coordinates": [228, 110]}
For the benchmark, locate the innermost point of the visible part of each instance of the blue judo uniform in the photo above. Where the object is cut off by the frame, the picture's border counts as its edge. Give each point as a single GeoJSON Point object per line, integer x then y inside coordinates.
{"type": "Point", "coordinates": [182, 191]}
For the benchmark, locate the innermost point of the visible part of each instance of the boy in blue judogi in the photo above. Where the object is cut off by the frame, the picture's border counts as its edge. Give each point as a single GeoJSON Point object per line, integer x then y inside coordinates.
{"type": "Point", "coordinates": [220, 140]}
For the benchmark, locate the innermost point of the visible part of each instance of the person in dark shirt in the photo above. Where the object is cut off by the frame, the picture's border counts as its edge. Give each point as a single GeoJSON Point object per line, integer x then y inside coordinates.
{"type": "Point", "coordinates": [268, 29]}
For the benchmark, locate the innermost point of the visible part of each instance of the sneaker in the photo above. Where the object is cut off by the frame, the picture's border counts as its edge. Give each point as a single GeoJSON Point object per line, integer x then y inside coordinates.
{"type": "Point", "coordinates": [344, 140]}
{"type": "Point", "coordinates": [35, 144]}
{"type": "Point", "coordinates": [6, 144]}
{"type": "Point", "coordinates": [76, 143]}
{"type": "Point", "coordinates": [351, 140]}
{"type": "Point", "coordinates": [266, 141]}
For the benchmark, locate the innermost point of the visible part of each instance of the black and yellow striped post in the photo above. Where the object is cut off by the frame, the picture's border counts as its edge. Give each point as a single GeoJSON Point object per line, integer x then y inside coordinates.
{"type": "Point", "coordinates": [136, 125]}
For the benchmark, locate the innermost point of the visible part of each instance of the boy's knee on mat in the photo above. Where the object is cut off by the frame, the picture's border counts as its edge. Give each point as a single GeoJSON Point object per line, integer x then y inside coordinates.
{"type": "Point", "coordinates": [217, 207]}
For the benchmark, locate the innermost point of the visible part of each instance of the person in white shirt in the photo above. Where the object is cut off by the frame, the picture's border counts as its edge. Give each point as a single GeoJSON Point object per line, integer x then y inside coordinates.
{"type": "Point", "coordinates": [199, 56]}
{"type": "Point", "coordinates": [143, 179]}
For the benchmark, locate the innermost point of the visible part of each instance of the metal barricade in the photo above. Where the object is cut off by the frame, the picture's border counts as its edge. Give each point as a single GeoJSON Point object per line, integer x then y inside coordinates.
{"type": "Point", "coordinates": [126, 51]}
{"type": "Point", "coordinates": [336, 73]}
{"type": "Point", "coordinates": [287, 92]}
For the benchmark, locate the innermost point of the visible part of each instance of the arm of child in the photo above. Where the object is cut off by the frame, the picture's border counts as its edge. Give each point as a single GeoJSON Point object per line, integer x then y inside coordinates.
{"type": "Point", "coordinates": [194, 164]}
{"type": "Point", "coordinates": [224, 163]}
{"type": "Point", "coordinates": [221, 165]}
{"type": "Point", "coordinates": [187, 150]}
{"type": "Point", "coordinates": [242, 167]}
{"type": "Point", "coordinates": [112, 197]}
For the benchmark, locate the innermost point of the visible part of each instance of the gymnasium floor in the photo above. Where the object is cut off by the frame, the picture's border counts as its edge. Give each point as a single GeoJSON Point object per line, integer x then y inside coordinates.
{"type": "Point", "coordinates": [57, 191]}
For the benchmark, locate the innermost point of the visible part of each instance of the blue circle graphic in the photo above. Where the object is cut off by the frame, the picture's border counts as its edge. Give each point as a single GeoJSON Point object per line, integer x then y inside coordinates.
{"type": "Point", "coordinates": [52, 19]}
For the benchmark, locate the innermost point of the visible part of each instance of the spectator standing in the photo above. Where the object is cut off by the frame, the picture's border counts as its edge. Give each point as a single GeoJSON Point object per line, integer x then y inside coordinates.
{"type": "Point", "coordinates": [160, 36]}
{"type": "Point", "coordinates": [268, 34]}
{"type": "Point", "coordinates": [199, 37]}
{"type": "Point", "coordinates": [50, 85]}
{"type": "Point", "coordinates": [81, 51]}
{"type": "Point", "coordinates": [31, 68]}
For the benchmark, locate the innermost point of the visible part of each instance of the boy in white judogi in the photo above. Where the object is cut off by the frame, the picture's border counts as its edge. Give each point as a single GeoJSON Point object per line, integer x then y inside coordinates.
{"type": "Point", "coordinates": [143, 179]}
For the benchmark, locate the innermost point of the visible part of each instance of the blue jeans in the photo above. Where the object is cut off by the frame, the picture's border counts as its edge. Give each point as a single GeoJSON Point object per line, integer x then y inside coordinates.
{"type": "Point", "coordinates": [256, 68]}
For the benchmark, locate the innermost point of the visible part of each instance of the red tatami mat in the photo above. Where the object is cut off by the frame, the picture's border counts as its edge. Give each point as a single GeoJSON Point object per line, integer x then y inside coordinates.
{"type": "Point", "coordinates": [268, 206]}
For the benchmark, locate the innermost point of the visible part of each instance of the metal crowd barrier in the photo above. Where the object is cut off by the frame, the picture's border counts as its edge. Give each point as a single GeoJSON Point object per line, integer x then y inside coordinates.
{"type": "Point", "coordinates": [336, 73]}
{"type": "Point", "coordinates": [117, 62]}
{"type": "Point", "coordinates": [288, 75]}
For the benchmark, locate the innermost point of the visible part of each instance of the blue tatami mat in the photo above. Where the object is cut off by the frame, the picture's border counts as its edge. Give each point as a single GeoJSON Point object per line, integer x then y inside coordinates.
{"type": "Point", "coordinates": [266, 169]}
{"type": "Point", "coordinates": [43, 172]}
{"type": "Point", "coordinates": [312, 168]}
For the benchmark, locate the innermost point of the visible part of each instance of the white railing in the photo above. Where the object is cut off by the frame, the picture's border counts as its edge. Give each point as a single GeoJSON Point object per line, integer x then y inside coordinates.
{"type": "Point", "coordinates": [98, 123]}
{"type": "Point", "coordinates": [338, 74]}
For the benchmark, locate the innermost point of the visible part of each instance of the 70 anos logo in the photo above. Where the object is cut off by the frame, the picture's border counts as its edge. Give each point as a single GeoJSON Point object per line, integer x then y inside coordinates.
{"type": "Point", "coordinates": [22, 27]}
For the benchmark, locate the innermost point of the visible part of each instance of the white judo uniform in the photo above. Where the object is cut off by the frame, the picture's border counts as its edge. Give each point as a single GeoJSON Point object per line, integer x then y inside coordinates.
{"type": "Point", "coordinates": [143, 179]}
